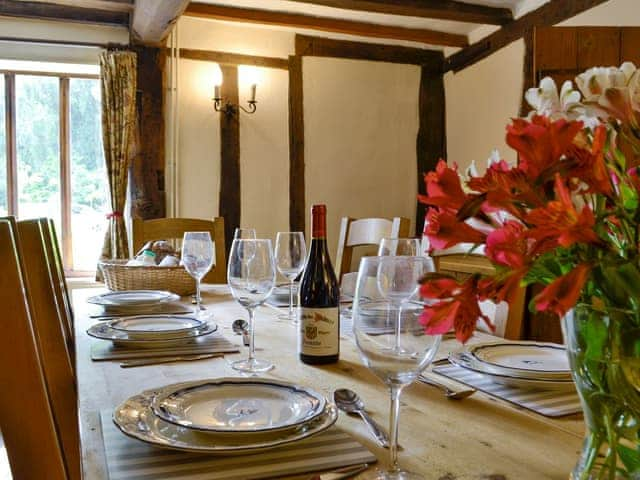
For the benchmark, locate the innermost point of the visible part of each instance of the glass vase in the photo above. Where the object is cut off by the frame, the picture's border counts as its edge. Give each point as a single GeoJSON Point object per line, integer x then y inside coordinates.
{"type": "Point", "coordinates": [604, 353]}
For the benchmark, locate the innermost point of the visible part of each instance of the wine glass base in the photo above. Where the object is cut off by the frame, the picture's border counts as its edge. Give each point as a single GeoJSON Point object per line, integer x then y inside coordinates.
{"type": "Point", "coordinates": [252, 366]}
{"type": "Point", "coordinates": [384, 475]}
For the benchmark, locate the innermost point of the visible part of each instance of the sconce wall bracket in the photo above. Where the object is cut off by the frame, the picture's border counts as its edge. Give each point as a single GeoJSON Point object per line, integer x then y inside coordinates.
{"type": "Point", "coordinates": [228, 108]}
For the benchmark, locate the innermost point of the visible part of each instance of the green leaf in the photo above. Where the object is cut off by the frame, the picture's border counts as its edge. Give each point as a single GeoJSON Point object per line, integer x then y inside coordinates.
{"type": "Point", "coordinates": [544, 270]}
{"type": "Point", "coordinates": [630, 458]}
{"type": "Point", "coordinates": [629, 197]}
{"type": "Point", "coordinates": [627, 277]}
{"type": "Point", "coordinates": [596, 335]}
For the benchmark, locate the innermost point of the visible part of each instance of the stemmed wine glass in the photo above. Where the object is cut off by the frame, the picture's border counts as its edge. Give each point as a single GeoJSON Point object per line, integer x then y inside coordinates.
{"type": "Point", "coordinates": [398, 356]}
{"type": "Point", "coordinates": [291, 253]}
{"type": "Point", "coordinates": [244, 233]}
{"type": "Point", "coordinates": [399, 247]}
{"type": "Point", "coordinates": [197, 258]}
{"type": "Point", "coordinates": [251, 275]}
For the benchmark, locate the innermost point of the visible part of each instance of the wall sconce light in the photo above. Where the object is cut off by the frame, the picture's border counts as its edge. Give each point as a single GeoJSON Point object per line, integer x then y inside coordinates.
{"type": "Point", "coordinates": [222, 105]}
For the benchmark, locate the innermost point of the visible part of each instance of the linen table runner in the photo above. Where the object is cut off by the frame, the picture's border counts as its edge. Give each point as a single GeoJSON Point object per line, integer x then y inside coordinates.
{"type": "Point", "coordinates": [131, 459]}
{"type": "Point", "coordinates": [213, 343]}
{"type": "Point", "coordinates": [544, 402]}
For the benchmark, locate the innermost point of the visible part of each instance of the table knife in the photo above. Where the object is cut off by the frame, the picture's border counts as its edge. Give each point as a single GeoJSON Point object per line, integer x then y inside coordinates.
{"type": "Point", "coordinates": [156, 361]}
{"type": "Point", "coordinates": [341, 474]}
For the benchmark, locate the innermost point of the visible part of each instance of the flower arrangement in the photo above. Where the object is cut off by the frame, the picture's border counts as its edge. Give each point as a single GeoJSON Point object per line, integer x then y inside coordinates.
{"type": "Point", "coordinates": [566, 217]}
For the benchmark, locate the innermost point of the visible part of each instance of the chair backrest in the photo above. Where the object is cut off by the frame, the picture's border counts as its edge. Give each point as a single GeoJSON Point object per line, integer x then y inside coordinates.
{"type": "Point", "coordinates": [55, 346]}
{"type": "Point", "coordinates": [365, 231]}
{"type": "Point", "coordinates": [26, 415]}
{"type": "Point", "coordinates": [508, 318]}
{"type": "Point", "coordinates": [174, 228]}
{"type": "Point", "coordinates": [57, 273]}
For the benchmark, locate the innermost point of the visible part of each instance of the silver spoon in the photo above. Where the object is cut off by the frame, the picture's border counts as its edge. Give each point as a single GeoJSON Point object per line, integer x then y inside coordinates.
{"type": "Point", "coordinates": [348, 401]}
{"type": "Point", "coordinates": [241, 327]}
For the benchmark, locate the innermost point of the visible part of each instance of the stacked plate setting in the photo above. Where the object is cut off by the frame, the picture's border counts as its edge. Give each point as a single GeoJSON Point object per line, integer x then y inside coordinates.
{"type": "Point", "coordinates": [519, 364]}
{"type": "Point", "coordinates": [225, 415]}
{"type": "Point", "coordinates": [131, 300]}
{"type": "Point", "coordinates": [152, 331]}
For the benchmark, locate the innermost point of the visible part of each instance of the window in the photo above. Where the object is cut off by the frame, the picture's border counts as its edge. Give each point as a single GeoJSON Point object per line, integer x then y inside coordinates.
{"type": "Point", "coordinates": [51, 158]}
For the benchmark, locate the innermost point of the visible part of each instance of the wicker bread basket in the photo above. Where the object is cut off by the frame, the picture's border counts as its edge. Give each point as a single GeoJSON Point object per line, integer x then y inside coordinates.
{"type": "Point", "coordinates": [119, 276]}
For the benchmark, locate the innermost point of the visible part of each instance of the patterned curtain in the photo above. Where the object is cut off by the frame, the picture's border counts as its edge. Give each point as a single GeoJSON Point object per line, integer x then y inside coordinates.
{"type": "Point", "coordinates": [119, 83]}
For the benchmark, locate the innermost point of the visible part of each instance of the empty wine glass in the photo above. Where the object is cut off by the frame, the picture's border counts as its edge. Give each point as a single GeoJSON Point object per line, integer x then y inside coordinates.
{"type": "Point", "coordinates": [197, 258]}
{"type": "Point", "coordinates": [251, 275]}
{"type": "Point", "coordinates": [291, 253]}
{"type": "Point", "coordinates": [244, 234]}
{"type": "Point", "coordinates": [396, 349]}
{"type": "Point", "coordinates": [399, 247]}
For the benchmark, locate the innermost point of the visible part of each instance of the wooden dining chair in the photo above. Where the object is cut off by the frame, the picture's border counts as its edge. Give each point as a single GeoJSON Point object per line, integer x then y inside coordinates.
{"type": "Point", "coordinates": [61, 289]}
{"type": "Point", "coordinates": [174, 228]}
{"type": "Point", "coordinates": [32, 419]}
{"type": "Point", "coordinates": [508, 318]}
{"type": "Point", "coordinates": [55, 345]}
{"type": "Point", "coordinates": [362, 232]}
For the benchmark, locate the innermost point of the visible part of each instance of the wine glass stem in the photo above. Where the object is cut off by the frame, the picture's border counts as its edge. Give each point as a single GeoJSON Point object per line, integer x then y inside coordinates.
{"type": "Point", "coordinates": [197, 297]}
{"type": "Point", "coordinates": [291, 300]}
{"type": "Point", "coordinates": [251, 335]}
{"type": "Point", "coordinates": [394, 418]}
{"type": "Point", "coordinates": [396, 328]}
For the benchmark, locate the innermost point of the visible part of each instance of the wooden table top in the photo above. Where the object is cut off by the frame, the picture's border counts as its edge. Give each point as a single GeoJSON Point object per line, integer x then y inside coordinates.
{"type": "Point", "coordinates": [478, 438]}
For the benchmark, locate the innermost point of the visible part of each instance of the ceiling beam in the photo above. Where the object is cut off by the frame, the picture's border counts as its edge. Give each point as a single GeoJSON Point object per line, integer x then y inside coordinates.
{"type": "Point", "coordinates": [106, 5]}
{"type": "Point", "coordinates": [227, 58]}
{"type": "Point", "coordinates": [431, 60]}
{"type": "Point", "coordinates": [440, 9]}
{"type": "Point", "coordinates": [325, 24]}
{"type": "Point", "coordinates": [547, 15]}
{"type": "Point", "coordinates": [153, 19]}
{"type": "Point", "coordinates": [50, 11]}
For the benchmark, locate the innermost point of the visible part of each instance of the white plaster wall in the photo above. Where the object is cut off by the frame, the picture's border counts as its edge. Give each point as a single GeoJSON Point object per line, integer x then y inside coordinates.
{"type": "Point", "coordinates": [482, 98]}
{"type": "Point", "coordinates": [361, 122]}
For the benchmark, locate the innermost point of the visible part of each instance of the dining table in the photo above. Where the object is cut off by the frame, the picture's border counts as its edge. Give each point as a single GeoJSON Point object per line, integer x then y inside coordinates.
{"type": "Point", "coordinates": [478, 438]}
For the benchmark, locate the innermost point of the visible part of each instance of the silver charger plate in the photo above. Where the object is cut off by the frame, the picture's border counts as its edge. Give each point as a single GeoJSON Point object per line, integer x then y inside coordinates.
{"type": "Point", "coordinates": [133, 298]}
{"type": "Point", "coordinates": [463, 360]}
{"type": "Point", "coordinates": [238, 405]}
{"type": "Point", "coordinates": [522, 359]}
{"type": "Point", "coordinates": [123, 339]}
{"type": "Point", "coordinates": [146, 327]}
{"type": "Point", "coordinates": [136, 419]}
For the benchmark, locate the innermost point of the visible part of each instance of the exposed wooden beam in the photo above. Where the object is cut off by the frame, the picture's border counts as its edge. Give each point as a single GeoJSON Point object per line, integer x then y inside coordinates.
{"type": "Point", "coordinates": [326, 47]}
{"type": "Point", "coordinates": [547, 15]}
{"type": "Point", "coordinates": [297, 206]}
{"type": "Point", "coordinates": [230, 199]}
{"type": "Point", "coordinates": [431, 142]}
{"type": "Point", "coordinates": [11, 142]}
{"type": "Point", "coordinates": [325, 24]}
{"type": "Point", "coordinates": [50, 11]}
{"type": "Point", "coordinates": [441, 9]}
{"type": "Point", "coordinates": [106, 5]}
{"type": "Point", "coordinates": [226, 58]}
{"type": "Point", "coordinates": [152, 19]}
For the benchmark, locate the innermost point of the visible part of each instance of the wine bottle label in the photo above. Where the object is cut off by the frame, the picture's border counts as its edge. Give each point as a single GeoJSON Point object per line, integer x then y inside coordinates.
{"type": "Point", "coordinates": [319, 331]}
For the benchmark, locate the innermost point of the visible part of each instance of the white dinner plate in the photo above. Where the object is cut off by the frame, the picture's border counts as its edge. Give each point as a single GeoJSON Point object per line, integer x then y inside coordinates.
{"type": "Point", "coordinates": [136, 419]}
{"type": "Point", "coordinates": [147, 327]}
{"type": "Point", "coordinates": [133, 298]}
{"type": "Point", "coordinates": [122, 339]}
{"type": "Point", "coordinates": [239, 405]}
{"type": "Point", "coordinates": [522, 359]}
{"type": "Point", "coordinates": [463, 360]}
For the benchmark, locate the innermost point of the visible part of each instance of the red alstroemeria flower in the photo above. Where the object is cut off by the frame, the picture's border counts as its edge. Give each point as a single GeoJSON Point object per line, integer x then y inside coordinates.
{"type": "Point", "coordinates": [559, 223]}
{"type": "Point", "coordinates": [589, 165]}
{"type": "Point", "coordinates": [508, 245]}
{"type": "Point", "coordinates": [501, 289]}
{"type": "Point", "coordinates": [458, 307]}
{"type": "Point", "coordinates": [445, 230]}
{"type": "Point", "coordinates": [505, 188]}
{"type": "Point", "coordinates": [443, 187]}
{"type": "Point", "coordinates": [563, 293]}
{"type": "Point", "coordinates": [541, 142]}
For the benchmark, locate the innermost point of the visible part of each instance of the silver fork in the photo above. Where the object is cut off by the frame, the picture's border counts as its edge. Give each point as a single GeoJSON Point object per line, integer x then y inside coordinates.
{"type": "Point", "coordinates": [451, 389]}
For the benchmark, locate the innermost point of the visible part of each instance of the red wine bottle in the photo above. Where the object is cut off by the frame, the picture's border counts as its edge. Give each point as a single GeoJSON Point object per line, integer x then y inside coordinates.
{"type": "Point", "coordinates": [319, 335]}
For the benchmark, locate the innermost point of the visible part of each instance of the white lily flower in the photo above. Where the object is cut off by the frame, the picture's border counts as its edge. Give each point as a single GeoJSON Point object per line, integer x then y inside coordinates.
{"type": "Point", "coordinates": [595, 81]}
{"type": "Point", "coordinates": [545, 99]}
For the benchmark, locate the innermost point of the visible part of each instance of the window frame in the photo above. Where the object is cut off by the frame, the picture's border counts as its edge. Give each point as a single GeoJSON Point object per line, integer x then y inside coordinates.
{"type": "Point", "coordinates": [64, 143]}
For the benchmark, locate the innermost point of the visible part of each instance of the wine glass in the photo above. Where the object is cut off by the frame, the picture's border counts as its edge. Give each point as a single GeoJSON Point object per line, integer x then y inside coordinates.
{"type": "Point", "coordinates": [407, 247]}
{"type": "Point", "coordinates": [197, 258]}
{"type": "Point", "coordinates": [291, 253]}
{"type": "Point", "coordinates": [403, 350]}
{"type": "Point", "coordinates": [251, 275]}
{"type": "Point", "coordinates": [244, 233]}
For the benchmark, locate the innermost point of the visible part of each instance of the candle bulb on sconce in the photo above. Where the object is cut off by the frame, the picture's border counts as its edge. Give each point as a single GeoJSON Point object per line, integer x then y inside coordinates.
{"type": "Point", "coordinates": [222, 105]}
